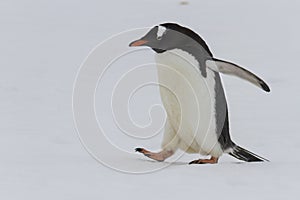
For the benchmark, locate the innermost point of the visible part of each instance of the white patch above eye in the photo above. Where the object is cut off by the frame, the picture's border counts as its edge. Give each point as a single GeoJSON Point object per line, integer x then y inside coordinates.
{"type": "Point", "coordinates": [161, 30]}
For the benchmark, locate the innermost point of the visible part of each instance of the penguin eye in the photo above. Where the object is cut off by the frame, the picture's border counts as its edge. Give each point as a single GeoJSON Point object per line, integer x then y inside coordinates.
{"type": "Point", "coordinates": [158, 37]}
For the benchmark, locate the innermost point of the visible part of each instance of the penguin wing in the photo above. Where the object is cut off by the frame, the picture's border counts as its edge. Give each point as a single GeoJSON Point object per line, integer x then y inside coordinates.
{"type": "Point", "coordinates": [229, 68]}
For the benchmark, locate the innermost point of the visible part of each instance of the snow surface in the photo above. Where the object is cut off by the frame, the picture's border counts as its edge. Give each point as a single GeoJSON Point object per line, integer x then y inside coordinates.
{"type": "Point", "coordinates": [42, 46]}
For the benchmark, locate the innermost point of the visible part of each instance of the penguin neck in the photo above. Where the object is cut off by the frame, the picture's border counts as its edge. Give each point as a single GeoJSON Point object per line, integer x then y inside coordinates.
{"type": "Point", "coordinates": [158, 50]}
{"type": "Point", "coordinates": [197, 51]}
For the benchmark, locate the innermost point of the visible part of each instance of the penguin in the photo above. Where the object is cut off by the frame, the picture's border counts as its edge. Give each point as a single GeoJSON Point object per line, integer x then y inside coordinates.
{"type": "Point", "coordinates": [195, 102]}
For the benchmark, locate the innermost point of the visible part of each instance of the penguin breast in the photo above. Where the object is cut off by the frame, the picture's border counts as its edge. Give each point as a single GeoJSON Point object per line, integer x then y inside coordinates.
{"type": "Point", "coordinates": [189, 101]}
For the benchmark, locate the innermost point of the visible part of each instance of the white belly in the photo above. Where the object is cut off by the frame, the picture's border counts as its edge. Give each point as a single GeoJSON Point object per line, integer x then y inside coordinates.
{"type": "Point", "coordinates": [189, 100]}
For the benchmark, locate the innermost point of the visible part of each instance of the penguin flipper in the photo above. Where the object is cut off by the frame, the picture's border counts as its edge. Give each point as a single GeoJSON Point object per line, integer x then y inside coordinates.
{"type": "Point", "coordinates": [229, 68]}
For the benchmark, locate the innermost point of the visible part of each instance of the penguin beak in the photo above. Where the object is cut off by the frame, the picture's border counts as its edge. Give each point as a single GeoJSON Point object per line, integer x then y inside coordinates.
{"type": "Point", "coordinates": [139, 42]}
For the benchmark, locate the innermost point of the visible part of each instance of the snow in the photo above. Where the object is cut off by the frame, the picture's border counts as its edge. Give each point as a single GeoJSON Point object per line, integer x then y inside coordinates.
{"type": "Point", "coordinates": [43, 44]}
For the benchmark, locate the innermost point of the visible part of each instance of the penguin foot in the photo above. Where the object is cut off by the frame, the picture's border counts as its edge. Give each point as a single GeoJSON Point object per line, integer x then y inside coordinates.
{"type": "Point", "coordinates": [160, 156]}
{"type": "Point", "coordinates": [212, 160]}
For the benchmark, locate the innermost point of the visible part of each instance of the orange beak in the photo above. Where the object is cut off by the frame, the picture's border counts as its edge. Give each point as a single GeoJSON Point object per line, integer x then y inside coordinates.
{"type": "Point", "coordinates": [138, 43]}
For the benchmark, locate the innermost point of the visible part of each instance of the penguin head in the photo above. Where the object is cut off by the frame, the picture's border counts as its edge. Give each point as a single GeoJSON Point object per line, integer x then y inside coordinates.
{"type": "Point", "coordinates": [169, 36]}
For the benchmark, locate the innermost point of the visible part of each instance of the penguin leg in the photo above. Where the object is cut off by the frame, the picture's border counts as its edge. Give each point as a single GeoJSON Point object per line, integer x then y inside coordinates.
{"type": "Point", "coordinates": [169, 145]}
{"type": "Point", "coordinates": [212, 160]}
{"type": "Point", "coordinates": [160, 156]}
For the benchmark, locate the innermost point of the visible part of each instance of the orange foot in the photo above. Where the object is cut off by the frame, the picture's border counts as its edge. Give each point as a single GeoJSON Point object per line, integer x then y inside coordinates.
{"type": "Point", "coordinates": [212, 160]}
{"type": "Point", "coordinates": [160, 156]}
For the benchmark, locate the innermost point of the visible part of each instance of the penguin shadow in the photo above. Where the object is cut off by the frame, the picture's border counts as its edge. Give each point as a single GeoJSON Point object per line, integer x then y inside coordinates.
{"type": "Point", "coordinates": [178, 163]}
{"type": "Point", "coordinates": [181, 163]}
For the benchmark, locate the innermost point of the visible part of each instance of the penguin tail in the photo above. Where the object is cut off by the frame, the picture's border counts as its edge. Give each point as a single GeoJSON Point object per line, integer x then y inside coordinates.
{"type": "Point", "coordinates": [245, 155]}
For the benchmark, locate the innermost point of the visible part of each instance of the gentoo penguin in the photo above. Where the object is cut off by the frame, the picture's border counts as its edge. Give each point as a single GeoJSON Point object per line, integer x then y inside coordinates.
{"type": "Point", "coordinates": [194, 99]}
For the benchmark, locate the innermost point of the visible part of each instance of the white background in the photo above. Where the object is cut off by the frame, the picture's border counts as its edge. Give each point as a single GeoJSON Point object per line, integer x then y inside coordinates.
{"type": "Point", "coordinates": [42, 45]}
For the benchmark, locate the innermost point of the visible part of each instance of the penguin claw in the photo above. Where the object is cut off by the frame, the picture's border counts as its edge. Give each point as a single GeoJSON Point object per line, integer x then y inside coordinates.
{"type": "Point", "coordinates": [141, 150]}
{"type": "Point", "coordinates": [212, 160]}
{"type": "Point", "coordinates": [160, 156]}
{"type": "Point", "coordinates": [144, 151]}
{"type": "Point", "coordinates": [138, 149]}
{"type": "Point", "coordinates": [196, 162]}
